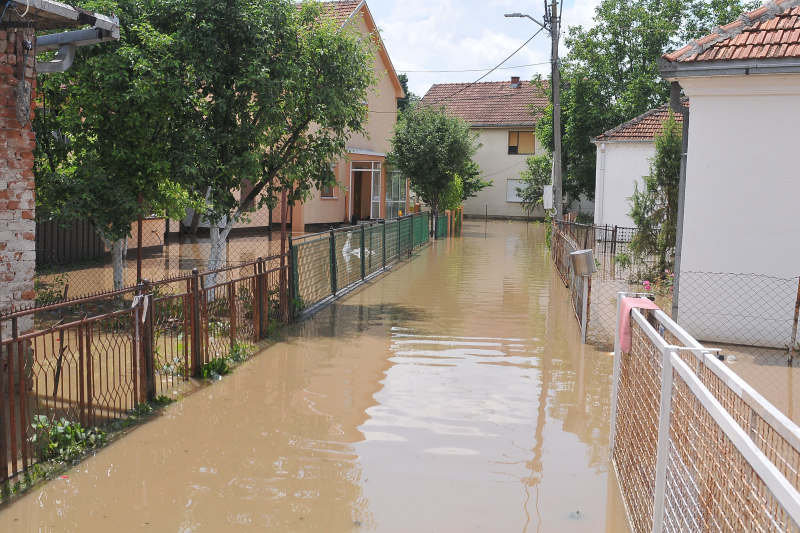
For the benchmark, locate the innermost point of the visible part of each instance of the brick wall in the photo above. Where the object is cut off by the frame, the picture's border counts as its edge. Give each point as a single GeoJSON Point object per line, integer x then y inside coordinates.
{"type": "Point", "coordinates": [17, 205]}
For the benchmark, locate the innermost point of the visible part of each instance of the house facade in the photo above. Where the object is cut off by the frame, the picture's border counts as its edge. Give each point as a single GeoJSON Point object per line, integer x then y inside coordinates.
{"type": "Point", "coordinates": [367, 189]}
{"type": "Point", "coordinates": [623, 160]}
{"type": "Point", "coordinates": [504, 114]}
{"type": "Point", "coordinates": [742, 181]}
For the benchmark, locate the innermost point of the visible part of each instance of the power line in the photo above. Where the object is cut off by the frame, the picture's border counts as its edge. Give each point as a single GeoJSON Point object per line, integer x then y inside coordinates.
{"type": "Point", "coordinates": [495, 68]}
{"type": "Point", "coordinates": [471, 70]}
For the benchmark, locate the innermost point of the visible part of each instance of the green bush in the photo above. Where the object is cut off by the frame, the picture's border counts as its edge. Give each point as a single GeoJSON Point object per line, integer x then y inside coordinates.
{"type": "Point", "coordinates": [218, 366]}
{"type": "Point", "coordinates": [64, 440]}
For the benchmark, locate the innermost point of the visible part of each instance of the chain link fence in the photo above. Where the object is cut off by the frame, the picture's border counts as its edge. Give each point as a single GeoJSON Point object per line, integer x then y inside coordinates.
{"type": "Point", "coordinates": [326, 264]}
{"type": "Point", "coordinates": [696, 448]}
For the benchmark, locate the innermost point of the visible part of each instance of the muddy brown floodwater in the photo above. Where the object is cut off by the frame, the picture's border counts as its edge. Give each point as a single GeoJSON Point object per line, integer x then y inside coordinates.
{"type": "Point", "coordinates": [450, 395]}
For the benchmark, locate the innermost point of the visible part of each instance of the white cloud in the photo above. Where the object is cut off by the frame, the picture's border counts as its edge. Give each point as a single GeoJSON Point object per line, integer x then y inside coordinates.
{"type": "Point", "coordinates": [425, 35]}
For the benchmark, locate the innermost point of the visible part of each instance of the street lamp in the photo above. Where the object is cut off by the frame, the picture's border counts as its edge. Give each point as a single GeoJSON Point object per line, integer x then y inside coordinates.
{"type": "Point", "coordinates": [551, 25]}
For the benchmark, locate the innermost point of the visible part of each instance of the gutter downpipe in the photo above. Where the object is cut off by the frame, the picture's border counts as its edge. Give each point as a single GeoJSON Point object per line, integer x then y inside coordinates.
{"type": "Point", "coordinates": [675, 104]}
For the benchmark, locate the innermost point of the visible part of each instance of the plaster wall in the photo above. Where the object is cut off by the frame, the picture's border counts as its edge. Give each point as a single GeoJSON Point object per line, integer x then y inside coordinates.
{"type": "Point", "coordinates": [619, 166]}
{"type": "Point", "coordinates": [742, 187]}
{"type": "Point", "coordinates": [498, 165]}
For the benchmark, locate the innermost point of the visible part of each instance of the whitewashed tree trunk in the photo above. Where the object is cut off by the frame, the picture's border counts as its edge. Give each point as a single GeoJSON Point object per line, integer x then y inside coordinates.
{"type": "Point", "coordinates": [118, 249]}
{"type": "Point", "coordinates": [219, 238]}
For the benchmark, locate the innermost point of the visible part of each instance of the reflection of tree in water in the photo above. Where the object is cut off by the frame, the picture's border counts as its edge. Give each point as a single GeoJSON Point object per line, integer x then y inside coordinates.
{"type": "Point", "coordinates": [349, 320]}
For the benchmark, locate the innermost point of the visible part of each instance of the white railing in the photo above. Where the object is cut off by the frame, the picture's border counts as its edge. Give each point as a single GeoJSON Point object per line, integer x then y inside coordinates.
{"type": "Point", "coordinates": [694, 446]}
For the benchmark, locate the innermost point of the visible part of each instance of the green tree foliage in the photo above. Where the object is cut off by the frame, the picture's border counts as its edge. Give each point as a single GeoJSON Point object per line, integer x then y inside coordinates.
{"type": "Point", "coordinates": [471, 181]}
{"type": "Point", "coordinates": [610, 74]}
{"type": "Point", "coordinates": [283, 88]}
{"type": "Point", "coordinates": [654, 209]}
{"type": "Point", "coordinates": [410, 99]}
{"type": "Point", "coordinates": [105, 130]}
{"type": "Point", "coordinates": [431, 148]}
{"type": "Point", "coordinates": [538, 173]}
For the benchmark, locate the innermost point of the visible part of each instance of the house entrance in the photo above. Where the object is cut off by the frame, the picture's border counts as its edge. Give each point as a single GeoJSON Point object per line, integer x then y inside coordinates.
{"type": "Point", "coordinates": [365, 177]}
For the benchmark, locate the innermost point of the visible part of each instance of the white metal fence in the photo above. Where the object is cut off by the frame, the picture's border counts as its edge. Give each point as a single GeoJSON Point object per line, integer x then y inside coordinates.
{"type": "Point", "coordinates": [694, 446]}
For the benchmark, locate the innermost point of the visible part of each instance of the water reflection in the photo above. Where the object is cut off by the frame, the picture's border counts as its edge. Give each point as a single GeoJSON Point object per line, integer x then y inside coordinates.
{"type": "Point", "coordinates": [450, 395]}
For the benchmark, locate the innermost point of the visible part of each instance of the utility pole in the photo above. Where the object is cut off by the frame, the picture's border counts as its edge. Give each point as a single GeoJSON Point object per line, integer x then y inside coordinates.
{"type": "Point", "coordinates": [555, 87]}
{"type": "Point", "coordinates": [552, 23]}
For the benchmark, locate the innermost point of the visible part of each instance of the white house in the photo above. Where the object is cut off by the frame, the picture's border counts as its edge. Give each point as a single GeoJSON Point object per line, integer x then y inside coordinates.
{"type": "Point", "coordinates": [623, 159]}
{"type": "Point", "coordinates": [742, 184]}
{"type": "Point", "coordinates": [505, 115]}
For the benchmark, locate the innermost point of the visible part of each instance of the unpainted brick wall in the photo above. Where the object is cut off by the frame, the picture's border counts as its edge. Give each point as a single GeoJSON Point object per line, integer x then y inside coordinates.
{"type": "Point", "coordinates": [17, 203]}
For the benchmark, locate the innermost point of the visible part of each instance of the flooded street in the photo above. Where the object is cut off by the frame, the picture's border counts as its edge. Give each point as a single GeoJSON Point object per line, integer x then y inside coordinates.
{"type": "Point", "coordinates": [449, 395]}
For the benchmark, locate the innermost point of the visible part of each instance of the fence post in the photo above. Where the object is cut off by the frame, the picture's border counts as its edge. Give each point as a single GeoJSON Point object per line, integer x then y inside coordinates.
{"type": "Point", "coordinates": [584, 306]}
{"type": "Point", "coordinates": [662, 456]}
{"type": "Point", "coordinates": [3, 431]}
{"type": "Point", "coordinates": [793, 344]}
{"type": "Point", "coordinates": [194, 323]}
{"type": "Point", "coordinates": [333, 263]}
{"type": "Point", "coordinates": [384, 243]}
{"type": "Point", "coordinates": [615, 374]}
{"type": "Point", "coordinates": [258, 303]}
{"type": "Point", "coordinates": [148, 339]}
{"type": "Point", "coordinates": [363, 258]}
{"type": "Point", "coordinates": [614, 242]}
{"type": "Point", "coordinates": [232, 311]}
{"type": "Point", "coordinates": [288, 312]}
{"type": "Point", "coordinates": [410, 235]}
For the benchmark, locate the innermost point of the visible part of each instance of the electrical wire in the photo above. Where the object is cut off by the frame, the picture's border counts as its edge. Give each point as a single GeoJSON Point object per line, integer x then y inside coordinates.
{"type": "Point", "coordinates": [495, 68]}
{"type": "Point", "coordinates": [471, 69]}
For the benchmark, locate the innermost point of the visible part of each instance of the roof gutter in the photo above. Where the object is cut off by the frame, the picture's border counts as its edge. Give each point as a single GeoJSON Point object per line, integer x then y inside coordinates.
{"type": "Point", "coordinates": [67, 42]}
{"type": "Point", "coordinates": [670, 70]}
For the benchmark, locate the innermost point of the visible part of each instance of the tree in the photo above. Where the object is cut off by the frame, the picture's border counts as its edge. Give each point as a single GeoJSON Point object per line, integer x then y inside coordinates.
{"type": "Point", "coordinates": [654, 209]}
{"type": "Point", "coordinates": [431, 148]}
{"type": "Point", "coordinates": [471, 181]}
{"type": "Point", "coordinates": [611, 75]}
{"type": "Point", "coordinates": [282, 87]}
{"type": "Point", "coordinates": [410, 98]}
{"type": "Point", "coordinates": [104, 130]}
{"type": "Point", "coordinates": [538, 174]}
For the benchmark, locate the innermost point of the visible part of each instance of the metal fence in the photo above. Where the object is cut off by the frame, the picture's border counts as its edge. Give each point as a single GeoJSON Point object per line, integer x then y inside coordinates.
{"type": "Point", "coordinates": [695, 447]}
{"type": "Point", "coordinates": [93, 359]}
{"type": "Point", "coordinates": [325, 264]}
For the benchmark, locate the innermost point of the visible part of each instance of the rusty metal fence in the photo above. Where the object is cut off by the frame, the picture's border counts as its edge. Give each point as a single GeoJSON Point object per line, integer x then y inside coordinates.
{"type": "Point", "coordinates": [94, 359]}
{"type": "Point", "coordinates": [329, 263]}
{"type": "Point", "coordinates": [695, 447]}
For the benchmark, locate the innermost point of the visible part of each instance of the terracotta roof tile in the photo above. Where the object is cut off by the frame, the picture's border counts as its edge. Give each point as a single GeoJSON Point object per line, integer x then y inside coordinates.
{"type": "Point", "coordinates": [494, 103]}
{"type": "Point", "coordinates": [771, 31]}
{"type": "Point", "coordinates": [340, 10]}
{"type": "Point", "coordinates": [645, 127]}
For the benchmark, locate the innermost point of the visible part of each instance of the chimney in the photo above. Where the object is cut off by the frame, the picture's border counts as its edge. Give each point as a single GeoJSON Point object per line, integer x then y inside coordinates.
{"type": "Point", "coordinates": [514, 82]}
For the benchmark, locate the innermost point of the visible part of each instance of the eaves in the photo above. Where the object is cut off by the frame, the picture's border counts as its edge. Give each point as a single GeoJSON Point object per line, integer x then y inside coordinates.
{"type": "Point", "coordinates": [739, 67]}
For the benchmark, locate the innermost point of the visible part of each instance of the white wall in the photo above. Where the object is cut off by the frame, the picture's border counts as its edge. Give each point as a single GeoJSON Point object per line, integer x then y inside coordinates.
{"type": "Point", "coordinates": [497, 165]}
{"type": "Point", "coordinates": [741, 210]}
{"type": "Point", "coordinates": [619, 165]}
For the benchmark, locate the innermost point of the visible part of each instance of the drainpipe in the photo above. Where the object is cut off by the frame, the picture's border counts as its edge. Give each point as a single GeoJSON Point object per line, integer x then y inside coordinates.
{"type": "Point", "coordinates": [600, 197]}
{"type": "Point", "coordinates": [675, 104]}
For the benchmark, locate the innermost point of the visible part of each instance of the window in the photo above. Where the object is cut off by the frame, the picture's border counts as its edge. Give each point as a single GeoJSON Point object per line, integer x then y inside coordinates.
{"type": "Point", "coordinates": [327, 191]}
{"type": "Point", "coordinates": [521, 142]}
{"type": "Point", "coordinates": [395, 194]}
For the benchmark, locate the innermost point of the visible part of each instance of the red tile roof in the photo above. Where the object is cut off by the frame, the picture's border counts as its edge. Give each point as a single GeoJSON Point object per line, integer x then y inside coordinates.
{"type": "Point", "coordinates": [341, 9]}
{"type": "Point", "coordinates": [771, 31]}
{"type": "Point", "coordinates": [493, 103]}
{"type": "Point", "coordinates": [645, 127]}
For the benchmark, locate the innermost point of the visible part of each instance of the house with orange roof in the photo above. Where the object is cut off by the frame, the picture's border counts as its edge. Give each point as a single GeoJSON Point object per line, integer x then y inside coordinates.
{"type": "Point", "coordinates": [623, 159]}
{"type": "Point", "coordinates": [740, 192]}
{"type": "Point", "coordinates": [504, 113]}
{"type": "Point", "coordinates": [367, 189]}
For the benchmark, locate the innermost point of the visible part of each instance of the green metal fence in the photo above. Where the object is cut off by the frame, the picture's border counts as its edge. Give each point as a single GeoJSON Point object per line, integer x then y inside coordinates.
{"type": "Point", "coordinates": [324, 264]}
{"type": "Point", "coordinates": [441, 227]}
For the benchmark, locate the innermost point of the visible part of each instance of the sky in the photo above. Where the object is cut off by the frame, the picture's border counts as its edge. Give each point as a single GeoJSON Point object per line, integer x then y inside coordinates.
{"type": "Point", "coordinates": [471, 36]}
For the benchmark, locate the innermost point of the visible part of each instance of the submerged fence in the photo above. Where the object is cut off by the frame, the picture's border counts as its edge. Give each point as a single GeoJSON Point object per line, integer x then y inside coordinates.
{"type": "Point", "coordinates": [695, 447]}
{"type": "Point", "coordinates": [90, 360]}
{"type": "Point", "coordinates": [325, 264]}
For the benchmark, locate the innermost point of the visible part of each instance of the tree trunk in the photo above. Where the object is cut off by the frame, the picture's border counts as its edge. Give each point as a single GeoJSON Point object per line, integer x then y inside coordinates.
{"type": "Point", "coordinates": [118, 249]}
{"type": "Point", "coordinates": [219, 238]}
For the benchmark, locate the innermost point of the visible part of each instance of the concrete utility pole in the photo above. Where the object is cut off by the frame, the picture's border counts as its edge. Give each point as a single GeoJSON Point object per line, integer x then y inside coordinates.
{"type": "Point", "coordinates": [555, 81]}
{"type": "Point", "coordinates": [552, 25]}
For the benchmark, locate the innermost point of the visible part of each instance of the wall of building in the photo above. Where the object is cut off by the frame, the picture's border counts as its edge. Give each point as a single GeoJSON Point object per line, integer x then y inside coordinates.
{"type": "Point", "coordinates": [17, 204]}
{"type": "Point", "coordinates": [498, 165]}
{"type": "Point", "coordinates": [742, 190]}
{"type": "Point", "coordinates": [619, 166]}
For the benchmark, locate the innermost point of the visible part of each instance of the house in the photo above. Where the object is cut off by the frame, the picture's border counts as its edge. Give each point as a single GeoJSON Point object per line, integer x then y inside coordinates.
{"type": "Point", "coordinates": [742, 183]}
{"type": "Point", "coordinates": [18, 47]}
{"type": "Point", "coordinates": [504, 113]}
{"type": "Point", "coordinates": [367, 188]}
{"type": "Point", "coordinates": [623, 159]}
